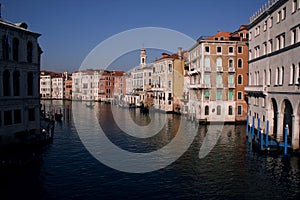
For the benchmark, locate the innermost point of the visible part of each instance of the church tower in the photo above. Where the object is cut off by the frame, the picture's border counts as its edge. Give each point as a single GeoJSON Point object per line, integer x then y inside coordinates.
{"type": "Point", "coordinates": [143, 57]}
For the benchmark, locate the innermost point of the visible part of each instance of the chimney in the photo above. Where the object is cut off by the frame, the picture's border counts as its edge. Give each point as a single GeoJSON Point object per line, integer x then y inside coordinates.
{"type": "Point", "coordinates": [179, 52]}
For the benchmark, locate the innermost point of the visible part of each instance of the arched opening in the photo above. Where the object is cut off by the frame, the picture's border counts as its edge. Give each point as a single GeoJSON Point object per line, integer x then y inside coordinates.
{"type": "Point", "coordinates": [29, 84]}
{"type": "Point", "coordinates": [273, 111]}
{"type": "Point", "coordinates": [5, 47]}
{"type": "Point", "coordinates": [288, 117]}
{"type": "Point", "coordinates": [29, 52]}
{"type": "Point", "coordinates": [16, 83]}
{"type": "Point", "coordinates": [15, 49]}
{"type": "Point", "coordinates": [6, 83]}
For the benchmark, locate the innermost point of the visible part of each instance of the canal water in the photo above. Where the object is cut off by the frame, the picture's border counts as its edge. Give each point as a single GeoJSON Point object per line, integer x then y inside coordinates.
{"type": "Point", "coordinates": [66, 170]}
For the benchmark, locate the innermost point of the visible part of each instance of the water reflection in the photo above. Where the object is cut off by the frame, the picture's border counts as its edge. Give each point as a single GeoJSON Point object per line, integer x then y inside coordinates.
{"type": "Point", "coordinates": [232, 170]}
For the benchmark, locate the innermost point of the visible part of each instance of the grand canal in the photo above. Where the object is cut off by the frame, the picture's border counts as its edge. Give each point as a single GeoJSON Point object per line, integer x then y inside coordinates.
{"type": "Point", "coordinates": [231, 170]}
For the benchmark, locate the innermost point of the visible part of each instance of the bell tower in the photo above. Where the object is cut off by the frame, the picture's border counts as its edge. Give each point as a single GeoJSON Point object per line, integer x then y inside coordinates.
{"type": "Point", "coordinates": [143, 57]}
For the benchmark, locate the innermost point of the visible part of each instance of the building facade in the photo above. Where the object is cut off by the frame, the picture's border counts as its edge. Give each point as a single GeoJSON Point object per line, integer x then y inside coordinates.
{"type": "Point", "coordinates": [274, 69]}
{"type": "Point", "coordinates": [218, 74]}
{"type": "Point", "coordinates": [19, 76]}
{"type": "Point", "coordinates": [168, 82]}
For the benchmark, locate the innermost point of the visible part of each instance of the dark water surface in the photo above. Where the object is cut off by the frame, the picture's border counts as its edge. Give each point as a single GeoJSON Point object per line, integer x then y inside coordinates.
{"type": "Point", "coordinates": [66, 170]}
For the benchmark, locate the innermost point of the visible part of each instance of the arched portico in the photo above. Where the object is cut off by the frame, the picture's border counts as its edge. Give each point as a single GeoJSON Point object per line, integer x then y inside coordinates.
{"type": "Point", "coordinates": [273, 116]}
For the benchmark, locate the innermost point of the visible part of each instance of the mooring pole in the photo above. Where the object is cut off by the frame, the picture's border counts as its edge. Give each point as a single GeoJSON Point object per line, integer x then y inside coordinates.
{"type": "Point", "coordinates": [258, 127]}
{"type": "Point", "coordinates": [267, 135]}
{"type": "Point", "coordinates": [252, 129]}
{"type": "Point", "coordinates": [285, 139]}
{"type": "Point", "coordinates": [247, 125]}
{"type": "Point", "coordinates": [261, 140]}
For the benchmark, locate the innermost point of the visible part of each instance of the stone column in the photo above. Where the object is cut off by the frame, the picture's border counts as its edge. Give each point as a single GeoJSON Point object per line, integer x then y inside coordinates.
{"type": "Point", "coordinates": [295, 132]}
{"type": "Point", "coordinates": [279, 126]}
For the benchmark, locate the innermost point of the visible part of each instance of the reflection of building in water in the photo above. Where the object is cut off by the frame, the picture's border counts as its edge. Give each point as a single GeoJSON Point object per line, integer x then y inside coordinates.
{"type": "Point", "coordinates": [274, 69]}
{"type": "Point", "coordinates": [19, 77]}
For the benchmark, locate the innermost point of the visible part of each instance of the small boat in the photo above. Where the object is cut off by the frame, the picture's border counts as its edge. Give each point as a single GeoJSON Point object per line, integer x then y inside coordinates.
{"type": "Point", "coordinates": [58, 117]}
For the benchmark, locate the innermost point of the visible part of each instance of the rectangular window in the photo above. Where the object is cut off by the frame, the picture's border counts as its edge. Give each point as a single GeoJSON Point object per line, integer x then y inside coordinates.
{"type": "Point", "coordinates": [270, 22]}
{"type": "Point", "coordinates": [206, 94]}
{"type": "Point", "coordinates": [240, 110]}
{"type": "Point", "coordinates": [207, 79]}
{"type": "Point", "coordinates": [170, 68]}
{"type": "Point", "coordinates": [239, 95]}
{"type": "Point", "coordinates": [17, 116]}
{"type": "Point", "coordinates": [170, 84]}
{"type": "Point", "coordinates": [270, 46]}
{"type": "Point", "coordinates": [294, 6]}
{"type": "Point", "coordinates": [219, 49]}
{"type": "Point", "coordinates": [230, 95]}
{"type": "Point", "coordinates": [230, 49]}
{"type": "Point", "coordinates": [7, 117]}
{"type": "Point", "coordinates": [230, 79]}
{"type": "Point", "coordinates": [265, 25]}
{"type": "Point", "coordinates": [207, 49]}
{"type": "Point", "coordinates": [31, 114]}
{"type": "Point", "coordinates": [240, 49]}
{"type": "Point", "coordinates": [278, 16]}
{"type": "Point", "coordinates": [293, 36]}
{"type": "Point", "coordinates": [283, 13]}
{"type": "Point", "coordinates": [219, 95]}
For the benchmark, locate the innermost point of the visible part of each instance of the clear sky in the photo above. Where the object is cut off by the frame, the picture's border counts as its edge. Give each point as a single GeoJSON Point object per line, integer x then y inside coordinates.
{"type": "Point", "coordinates": [71, 28]}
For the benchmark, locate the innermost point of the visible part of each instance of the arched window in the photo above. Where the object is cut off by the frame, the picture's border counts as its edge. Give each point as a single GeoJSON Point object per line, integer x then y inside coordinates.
{"type": "Point", "coordinates": [29, 52]}
{"type": "Point", "coordinates": [16, 83]}
{"type": "Point", "coordinates": [292, 74]}
{"type": "Point", "coordinates": [257, 78]}
{"type": "Point", "coordinates": [219, 62]}
{"type": "Point", "coordinates": [219, 110]}
{"type": "Point", "coordinates": [230, 110]}
{"type": "Point", "coordinates": [240, 63]}
{"type": "Point", "coordinates": [29, 84]}
{"type": "Point", "coordinates": [277, 76]}
{"type": "Point", "coordinates": [230, 63]}
{"type": "Point", "coordinates": [207, 62]}
{"type": "Point", "coordinates": [269, 78]}
{"type": "Point", "coordinates": [5, 47]}
{"type": "Point", "coordinates": [6, 83]}
{"type": "Point", "coordinates": [15, 49]}
{"type": "Point", "coordinates": [282, 75]}
{"type": "Point", "coordinates": [206, 110]}
{"type": "Point", "coordinates": [264, 77]}
{"type": "Point", "coordinates": [240, 79]}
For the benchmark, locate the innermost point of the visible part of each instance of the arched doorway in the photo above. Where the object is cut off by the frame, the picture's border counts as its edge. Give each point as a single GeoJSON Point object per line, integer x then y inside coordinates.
{"type": "Point", "coordinates": [287, 109]}
{"type": "Point", "coordinates": [273, 118]}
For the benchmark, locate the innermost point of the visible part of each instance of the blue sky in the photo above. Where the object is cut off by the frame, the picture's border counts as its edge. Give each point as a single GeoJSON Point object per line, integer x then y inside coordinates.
{"type": "Point", "coordinates": [71, 29]}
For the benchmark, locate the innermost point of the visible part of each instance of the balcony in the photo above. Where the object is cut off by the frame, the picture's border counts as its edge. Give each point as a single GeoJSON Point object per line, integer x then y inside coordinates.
{"type": "Point", "coordinates": [259, 89]}
{"type": "Point", "coordinates": [231, 69]}
{"type": "Point", "coordinates": [219, 69]}
{"type": "Point", "coordinates": [199, 86]}
{"type": "Point", "coordinates": [207, 69]}
{"type": "Point", "coordinates": [219, 85]}
{"type": "Point", "coordinates": [231, 85]}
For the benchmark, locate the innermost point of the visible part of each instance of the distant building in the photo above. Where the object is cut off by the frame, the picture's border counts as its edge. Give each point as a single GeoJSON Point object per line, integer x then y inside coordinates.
{"type": "Point", "coordinates": [20, 56]}
{"type": "Point", "coordinates": [274, 69]}
{"type": "Point", "coordinates": [218, 74]}
{"type": "Point", "coordinates": [58, 86]}
{"type": "Point", "coordinates": [120, 89]}
{"type": "Point", "coordinates": [68, 87]}
{"type": "Point", "coordinates": [107, 85]}
{"type": "Point", "coordinates": [85, 85]}
{"type": "Point", "coordinates": [46, 85]}
{"type": "Point", "coordinates": [168, 82]}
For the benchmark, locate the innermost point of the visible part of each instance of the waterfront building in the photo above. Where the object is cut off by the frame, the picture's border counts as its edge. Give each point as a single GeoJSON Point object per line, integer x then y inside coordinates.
{"type": "Point", "coordinates": [120, 89]}
{"type": "Point", "coordinates": [218, 74]}
{"type": "Point", "coordinates": [46, 84]}
{"type": "Point", "coordinates": [274, 69]}
{"type": "Point", "coordinates": [167, 80]}
{"type": "Point", "coordinates": [85, 85]}
{"type": "Point", "coordinates": [58, 86]}
{"type": "Point", "coordinates": [68, 87]}
{"type": "Point", "coordinates": [107, 85]}
{"type": "Point", "coordinates": [20, 56]}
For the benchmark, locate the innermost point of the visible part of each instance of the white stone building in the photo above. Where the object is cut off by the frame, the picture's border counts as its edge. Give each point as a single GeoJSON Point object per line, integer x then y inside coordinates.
{"type": "Point", "coordinates": [45, 86]}
{"type": "Point", "coordinates": [19, 77]}
{"type": "Point", "coordinates": [58, 87]}
{"type": "Point", "coordinates": [85, 85]}
{"type": "Point", "coordinates": [274, 68]}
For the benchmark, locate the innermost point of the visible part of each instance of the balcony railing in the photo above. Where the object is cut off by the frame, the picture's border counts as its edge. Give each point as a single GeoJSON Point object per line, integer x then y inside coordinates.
{"type": "Point", "coordinates": [231, 85]}
{"type": "Point", "coordinates": [231, 69]}
{"type": "Point", "coordinates": [219, 69]}
{"type": "Point", "coordinates": [219, 85]}
{"type": "Point", "coordinates": [207, 69]}
{"type": "Point", "coordinates": [199, 86]}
